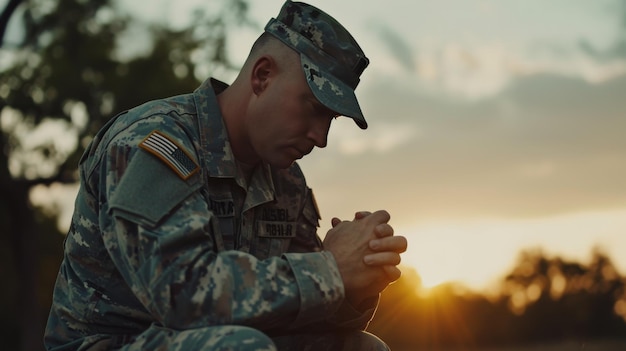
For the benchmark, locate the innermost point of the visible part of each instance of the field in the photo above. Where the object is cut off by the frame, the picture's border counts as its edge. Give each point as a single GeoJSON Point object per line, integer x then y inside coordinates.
{"type": "Point", "coordinates": [562, 346]}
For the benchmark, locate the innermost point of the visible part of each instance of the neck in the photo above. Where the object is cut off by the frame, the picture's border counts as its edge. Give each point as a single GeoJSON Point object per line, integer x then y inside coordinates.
{"type": "Point", "coordinates": [232, 102]}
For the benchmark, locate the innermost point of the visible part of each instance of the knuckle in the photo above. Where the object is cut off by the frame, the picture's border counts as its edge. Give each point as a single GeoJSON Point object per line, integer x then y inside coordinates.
{"type": "Point", "coordinates": [384, 214]}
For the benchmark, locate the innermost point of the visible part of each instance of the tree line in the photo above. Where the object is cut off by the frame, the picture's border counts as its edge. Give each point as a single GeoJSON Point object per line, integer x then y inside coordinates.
{"type": "Point", "coordinates": [542, 300]}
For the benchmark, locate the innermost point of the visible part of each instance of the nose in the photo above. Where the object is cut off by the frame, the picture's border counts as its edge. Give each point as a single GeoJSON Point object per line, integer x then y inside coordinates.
{"type": "Point", "coordinates": [318, 131]}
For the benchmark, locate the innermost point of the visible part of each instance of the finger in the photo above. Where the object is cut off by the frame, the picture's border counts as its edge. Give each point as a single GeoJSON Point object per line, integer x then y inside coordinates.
{"type": "Point", "coordinates": [397, 244]}
{"type": "Point", "coordinates": [362, 214]}
{"type": "Point", "coordinates": [382, 258]}
{"type": "Point", "coordinates": [380, 216]}
{"type": "Point", "coordinates": [393, 273]}
{"type": "Point", "coordinates": [335, 221]}
{"type": "Point", "coordinates": [383, 230]}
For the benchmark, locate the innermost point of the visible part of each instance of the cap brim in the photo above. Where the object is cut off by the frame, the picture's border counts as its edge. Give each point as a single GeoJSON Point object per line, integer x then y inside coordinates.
{"type": "Point", "coordinates": [332, 92]}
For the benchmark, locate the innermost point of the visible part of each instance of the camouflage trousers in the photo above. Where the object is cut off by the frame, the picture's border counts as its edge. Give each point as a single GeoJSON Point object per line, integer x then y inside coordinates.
{"type": "Point", "coordinates": [239, 338]}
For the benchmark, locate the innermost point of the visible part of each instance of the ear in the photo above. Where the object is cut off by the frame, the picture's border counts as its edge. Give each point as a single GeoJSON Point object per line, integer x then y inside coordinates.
{"type": "Point", "coordinates": [263, 71]}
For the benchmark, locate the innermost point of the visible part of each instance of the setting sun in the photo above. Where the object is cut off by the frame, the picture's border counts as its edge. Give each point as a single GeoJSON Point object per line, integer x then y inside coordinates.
{"type": "Point", "coordinates": [477, 254]}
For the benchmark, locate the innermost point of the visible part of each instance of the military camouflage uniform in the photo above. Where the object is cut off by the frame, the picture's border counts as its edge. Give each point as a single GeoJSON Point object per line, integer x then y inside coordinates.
{"type": "Point", "coordinates": [170, 246]}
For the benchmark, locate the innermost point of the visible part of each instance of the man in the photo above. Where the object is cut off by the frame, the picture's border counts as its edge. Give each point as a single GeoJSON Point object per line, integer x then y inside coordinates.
{"type": "Point", "coordinates": [194, 228]}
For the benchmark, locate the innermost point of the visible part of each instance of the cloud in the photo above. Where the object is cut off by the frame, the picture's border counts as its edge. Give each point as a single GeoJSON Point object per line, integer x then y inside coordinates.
{"type": "Point", "coordinates": [546, 145]}
{"type": "Point", "coordinates": [396, 46]}
{"type": "Point", "coordinates": [382, 137]}
{"type": "Point", "coordinates": [617, 51]}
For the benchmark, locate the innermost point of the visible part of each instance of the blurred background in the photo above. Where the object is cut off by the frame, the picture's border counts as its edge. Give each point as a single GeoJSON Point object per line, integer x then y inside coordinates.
{"type": "Point", "coordinates": [497, 142]}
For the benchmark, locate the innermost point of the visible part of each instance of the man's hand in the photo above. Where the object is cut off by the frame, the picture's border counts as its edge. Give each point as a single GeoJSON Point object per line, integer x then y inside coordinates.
{"type": "Point", "coordinates": [366, 252]}
{"type": "Point", "coordinates": [385, 246]}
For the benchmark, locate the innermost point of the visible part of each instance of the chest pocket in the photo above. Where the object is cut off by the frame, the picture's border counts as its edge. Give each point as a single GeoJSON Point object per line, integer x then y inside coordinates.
{"type": "Point", "coordinates": [149, 190]}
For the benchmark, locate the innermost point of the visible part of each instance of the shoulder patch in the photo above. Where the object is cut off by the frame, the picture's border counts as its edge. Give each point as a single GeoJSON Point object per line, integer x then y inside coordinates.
{"type": "Point", "coordinates": [166, 149]}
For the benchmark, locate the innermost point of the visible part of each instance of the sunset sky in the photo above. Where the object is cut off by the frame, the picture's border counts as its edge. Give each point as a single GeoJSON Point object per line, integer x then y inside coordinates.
{"type": "Point", "coordinates": [495, 126]}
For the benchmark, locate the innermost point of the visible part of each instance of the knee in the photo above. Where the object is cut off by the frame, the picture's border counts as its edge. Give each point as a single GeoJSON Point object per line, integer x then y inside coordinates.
{"type": "Point", "coordinates": [365, 341]}
{"type": "Point", "coordinates": [341, 341]}
{"type": "Point", "coordinates": [243, 338]}
{"type": "Point", "coordinates": [219, 338]}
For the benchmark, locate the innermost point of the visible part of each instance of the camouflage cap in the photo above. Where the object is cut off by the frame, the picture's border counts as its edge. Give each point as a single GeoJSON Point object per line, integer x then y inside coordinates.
{"type": "Point", "coordinates": [331, 58]}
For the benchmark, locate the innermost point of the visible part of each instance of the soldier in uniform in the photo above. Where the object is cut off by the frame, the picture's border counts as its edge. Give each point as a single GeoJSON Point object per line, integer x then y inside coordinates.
{"type": "Point", "coordinates": [194, 228]}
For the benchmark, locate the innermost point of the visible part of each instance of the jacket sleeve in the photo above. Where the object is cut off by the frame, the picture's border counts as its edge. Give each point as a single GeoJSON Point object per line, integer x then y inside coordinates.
{"type": "Point", "coordinates": [158, 229]}
{"type": "Point", "coordinates": [346, 316]}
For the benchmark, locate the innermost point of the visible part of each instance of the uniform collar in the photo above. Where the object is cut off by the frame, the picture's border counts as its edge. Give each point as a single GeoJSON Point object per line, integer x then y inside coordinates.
{"type": "Point", "coordinates": [217, 152]}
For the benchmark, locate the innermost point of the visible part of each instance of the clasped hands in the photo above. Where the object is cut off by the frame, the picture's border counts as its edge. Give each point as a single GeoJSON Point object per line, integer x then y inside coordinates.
{"type": "Point", "coordinates": [367, 254]}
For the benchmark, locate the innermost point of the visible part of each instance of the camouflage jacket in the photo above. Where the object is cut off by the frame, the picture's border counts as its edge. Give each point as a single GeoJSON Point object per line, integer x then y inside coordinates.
{"type": "Point", "coordinates": [167, 231]}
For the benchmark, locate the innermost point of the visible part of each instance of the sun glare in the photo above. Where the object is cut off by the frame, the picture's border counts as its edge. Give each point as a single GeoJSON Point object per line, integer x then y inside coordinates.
{"type": "Point", "coordinates": [478, 253]}
{"type": "Point", "coordinates": [432, 279]}
{"type": "Point", "coordinates": [442, 257]}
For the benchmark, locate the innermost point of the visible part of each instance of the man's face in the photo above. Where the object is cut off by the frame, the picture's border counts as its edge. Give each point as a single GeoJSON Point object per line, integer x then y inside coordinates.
{"type": "Point", "coordinates": [287, 121]}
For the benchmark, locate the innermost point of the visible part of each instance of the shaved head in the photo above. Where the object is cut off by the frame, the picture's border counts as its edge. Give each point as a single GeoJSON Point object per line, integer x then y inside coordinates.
{"type": "Point", "coordinates": [267, 44]}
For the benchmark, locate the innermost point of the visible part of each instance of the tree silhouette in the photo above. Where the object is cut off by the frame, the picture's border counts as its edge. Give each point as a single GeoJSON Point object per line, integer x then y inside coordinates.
{"type": "Point", "coordinates": [543, 299]}
{"type": "Point", "coordinates": [67, 75]}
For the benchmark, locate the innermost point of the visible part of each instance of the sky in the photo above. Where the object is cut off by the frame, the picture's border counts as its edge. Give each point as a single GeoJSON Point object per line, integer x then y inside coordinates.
{"type": "Point", "coordinates": [494, 126]}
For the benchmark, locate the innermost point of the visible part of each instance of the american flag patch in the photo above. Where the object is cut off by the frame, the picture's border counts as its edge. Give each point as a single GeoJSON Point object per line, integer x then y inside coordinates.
{"type": "Point", "coordinates": [169, 152]}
